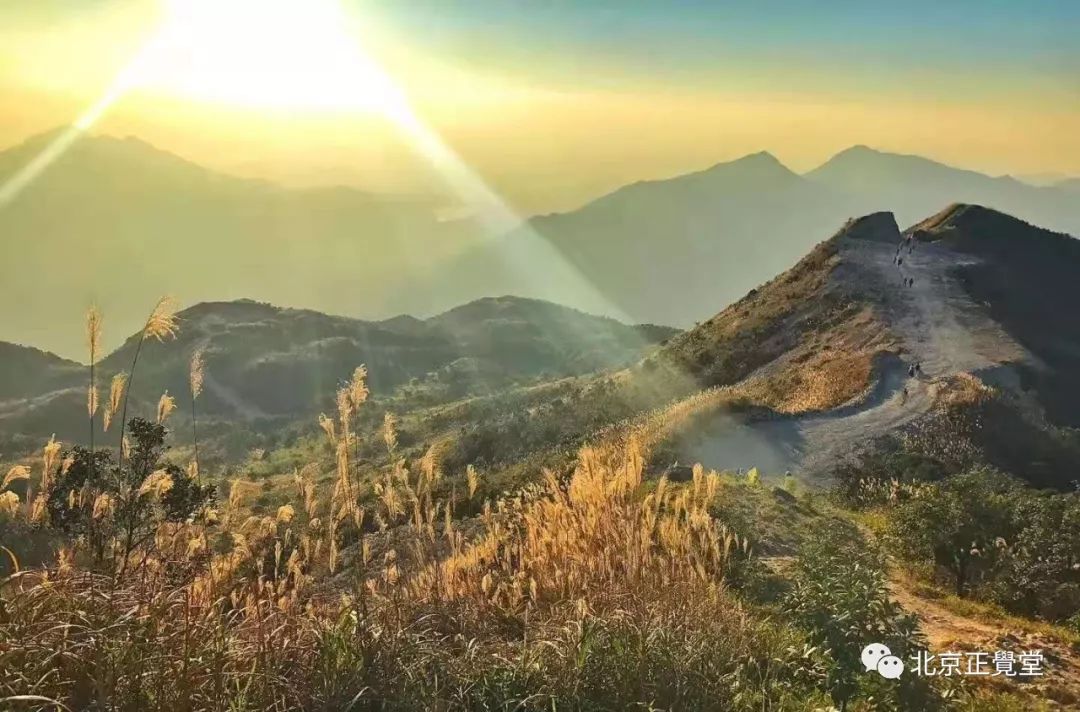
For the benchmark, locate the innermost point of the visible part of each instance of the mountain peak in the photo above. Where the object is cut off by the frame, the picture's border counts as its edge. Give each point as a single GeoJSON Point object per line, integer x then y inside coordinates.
{"type": "Point", "coordinates": [860, 149]}
{"type": "Point", "coordinates": [877, 227]}
{"type": "Point", "coordinates": [864, 168]}
{"type": "Point", "coordinates": [762, 161]}
{"type": "Point", "coordinates": [763, 157]}
{"type": "Point", "coordinates": [970, 220]}
{"type": "Point", "coordinates": [122, 157]}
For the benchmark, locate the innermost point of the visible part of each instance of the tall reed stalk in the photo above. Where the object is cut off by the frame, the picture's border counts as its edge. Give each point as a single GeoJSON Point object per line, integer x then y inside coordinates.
{"type": "Point", "coordinates": [196, 376]}
{"type": "Point", "coordinates": [358, 395]}
{"type": "Point", "coordinates": [93, 343]}
{"type": "Point", "coordinates": [161, 324]}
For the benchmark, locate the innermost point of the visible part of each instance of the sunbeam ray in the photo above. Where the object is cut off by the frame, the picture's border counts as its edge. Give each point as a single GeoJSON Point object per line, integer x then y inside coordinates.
{"type": "Point", "coordinates": [129, 77]}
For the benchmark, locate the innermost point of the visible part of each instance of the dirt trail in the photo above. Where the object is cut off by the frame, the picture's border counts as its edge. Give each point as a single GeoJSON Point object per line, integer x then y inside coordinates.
{"type": "Point", "coordinates": [939, 327]}
{"type": "Point", "coordinates": [936, 324]}
{"type": "Point", "coordinates": [949, 631]}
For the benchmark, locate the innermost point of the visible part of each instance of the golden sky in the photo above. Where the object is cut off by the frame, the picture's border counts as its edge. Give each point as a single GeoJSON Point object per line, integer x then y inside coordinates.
{"type": "Point", "coordinates": [554, 108]}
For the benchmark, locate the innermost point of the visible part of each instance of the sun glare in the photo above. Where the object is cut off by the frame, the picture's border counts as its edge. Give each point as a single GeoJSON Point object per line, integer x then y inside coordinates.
{"type": "Point", "coordinates": [287, 55]}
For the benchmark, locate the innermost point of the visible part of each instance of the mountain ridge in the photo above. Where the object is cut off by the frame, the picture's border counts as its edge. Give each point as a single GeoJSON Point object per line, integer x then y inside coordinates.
{"type": "Point", "coordinates": [267, 362]}
{"type": "Point", "coordinates": [662, 251]}
{"type": "Point", "coordinates": [824, 355]}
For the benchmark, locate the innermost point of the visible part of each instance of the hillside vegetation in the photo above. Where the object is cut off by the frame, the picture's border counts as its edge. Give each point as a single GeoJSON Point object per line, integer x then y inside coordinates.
{"type": "Point", "coordinates": [268, 366]}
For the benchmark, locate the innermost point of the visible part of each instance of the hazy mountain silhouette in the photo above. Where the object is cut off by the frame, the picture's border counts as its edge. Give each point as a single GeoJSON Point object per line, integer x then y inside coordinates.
{"type": "Point", "coordinates": [912, 187]}
{"type": "Point", "coordinates": [664, 251]}
{"type": "Point", "coordinates": [1069, 184]}
{"type": "Point", "coordinates": [671, 251]}
{"type": "Point", "coordinates": [121, 223]}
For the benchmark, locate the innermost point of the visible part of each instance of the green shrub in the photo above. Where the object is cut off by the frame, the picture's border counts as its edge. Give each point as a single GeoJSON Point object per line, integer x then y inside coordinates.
{"type": "Point", "coordinates": [960, 526]}
{"type": "Point", "coordinates": [839, 595]}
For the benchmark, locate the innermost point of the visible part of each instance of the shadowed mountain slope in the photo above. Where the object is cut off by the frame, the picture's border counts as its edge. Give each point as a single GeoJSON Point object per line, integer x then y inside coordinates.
{"type": "Point", "coordinates": [263, 361]}
{"type": "Point", "coordinates": [1026, 278]}
{"type": "Point", "coordinates": [26, 371]}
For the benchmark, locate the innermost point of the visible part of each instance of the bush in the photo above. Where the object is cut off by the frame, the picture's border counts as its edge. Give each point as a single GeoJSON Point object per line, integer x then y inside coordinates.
{"type": "Point", "coordinates": [839, 595]}
{"type": "Point", "coordinates": [995, 538]}
{"type": "Point", "coordinates": [959, 525]}
{"type": "Point", "coordinates": [1040, 569]}
{"type": "Point", "coordinates": [116, 508]}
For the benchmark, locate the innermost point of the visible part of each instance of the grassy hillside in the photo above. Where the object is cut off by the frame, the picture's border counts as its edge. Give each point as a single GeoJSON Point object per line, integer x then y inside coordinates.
{"type": "Point", "coordinates": [265, 363]}
{"type": "Point", "coordinates": [28, 372]}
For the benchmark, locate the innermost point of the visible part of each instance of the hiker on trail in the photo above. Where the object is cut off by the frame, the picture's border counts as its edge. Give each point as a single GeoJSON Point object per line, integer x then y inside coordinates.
{"type": "Point", "coordinates": [911, 371]}
{"type": "Point", "coordinates": [918, 367]}
{"type": "Point", "coordinates": [903, 396]}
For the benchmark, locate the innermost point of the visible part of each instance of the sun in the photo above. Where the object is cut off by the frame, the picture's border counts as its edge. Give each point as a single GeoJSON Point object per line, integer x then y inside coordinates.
{"type": "Point", "coordinates": [284, 55]}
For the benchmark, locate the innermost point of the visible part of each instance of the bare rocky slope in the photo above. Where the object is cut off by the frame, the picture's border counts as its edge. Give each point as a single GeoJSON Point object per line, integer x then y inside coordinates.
{"type": "Point", "coordinates": [823, 352]}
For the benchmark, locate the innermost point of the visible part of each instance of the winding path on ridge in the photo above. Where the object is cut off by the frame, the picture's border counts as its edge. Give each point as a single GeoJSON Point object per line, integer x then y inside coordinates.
{"type": "Point", "coordinates": [936, 325]}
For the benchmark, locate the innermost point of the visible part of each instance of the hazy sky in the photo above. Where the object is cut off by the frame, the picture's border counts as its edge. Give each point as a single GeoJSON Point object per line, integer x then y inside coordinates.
{"type": "Point", "coordinates": [553, 102]}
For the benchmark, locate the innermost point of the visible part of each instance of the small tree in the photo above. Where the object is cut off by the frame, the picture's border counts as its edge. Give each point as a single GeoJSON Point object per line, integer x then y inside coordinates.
{"type": "Point", "coordinates": [958, 525]}
{"type": "Point", "coordinates": [119, 507]}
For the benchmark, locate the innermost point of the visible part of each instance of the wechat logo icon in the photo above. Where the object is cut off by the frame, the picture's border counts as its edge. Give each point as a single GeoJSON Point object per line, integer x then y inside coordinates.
{"type": "Point", "coordinates": [878, 657]}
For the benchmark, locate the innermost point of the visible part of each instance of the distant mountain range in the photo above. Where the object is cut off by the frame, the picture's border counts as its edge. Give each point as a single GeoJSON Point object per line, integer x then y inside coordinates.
{"type": "Point", "coordinates": [120, 222]}
{"type": "Point", "coordinates": [672, 251]}
{"type": "Point", "coordinates": [266, 362]}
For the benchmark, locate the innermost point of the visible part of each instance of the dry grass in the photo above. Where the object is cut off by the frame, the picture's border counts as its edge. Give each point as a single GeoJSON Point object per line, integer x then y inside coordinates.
{"type": "Point", "coordinates": [397, 603]}
{"type": "Point", "coordinates": [590, 590]}
{"type": "Point", "coordinates": [828, 379]}
{"type": "Point", "coordinates": [591, 561]}
{"type": "Point", "coordinates": [594, 534]}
